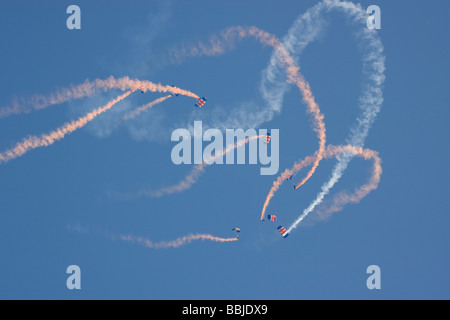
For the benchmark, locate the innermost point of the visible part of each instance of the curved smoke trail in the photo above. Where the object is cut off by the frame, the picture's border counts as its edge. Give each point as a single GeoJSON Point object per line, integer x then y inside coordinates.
{"type": "Point", "coordinates": [86, 89]}
{"type": "Point", "coordinates": [76, 92]}
{"type": "Point", "coordinates": [192, 177]}
{"type": "Point", "coordinates": [338, 202]}
{"type": "Point", "coordinates": [178, 242]}
{"type": "Point", "coordinates": [48, 139]}
{"type": "Point", "coordinates": [174, 243]}
{"type": "Point", "coordinates": [370, 103]}
{"type": "Point", "coordinates": [373, 67]}
{"type": "Point", "coordinates": [226, 41]}
{"type": "Point", "coordinates": [343, 198]}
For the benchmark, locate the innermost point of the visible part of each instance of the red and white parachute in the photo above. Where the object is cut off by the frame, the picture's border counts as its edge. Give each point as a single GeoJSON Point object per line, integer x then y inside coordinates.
{"type": "Point", "coordinates": [283, 231]}
{"type": "Point", "coordinates": [200, 103]}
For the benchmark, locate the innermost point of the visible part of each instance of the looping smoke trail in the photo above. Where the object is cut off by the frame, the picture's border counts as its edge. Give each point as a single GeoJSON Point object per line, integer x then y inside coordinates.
{"type": "Point", "coordinates": [343, 198]}
{"type": "Point", "coordinates": [370, 103]}
{"type": "Point", "coordinates": [174, 243]}
{"type": "Point", "coordinates": [373, 59]}
{"type": "Point", "coordinates": [193, 176]}
{"type": "Point", "coordinates": [226, 41]}
{"type": "Point", "coordinates": [86, 89]}
{"type": "Point", "coordinates": [45, 140]}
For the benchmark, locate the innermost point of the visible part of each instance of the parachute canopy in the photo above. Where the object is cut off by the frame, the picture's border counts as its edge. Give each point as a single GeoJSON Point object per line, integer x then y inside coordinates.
{"type": "Point", "coordinates": [201, 102]}
{"type": "Point", "coordinates": [267, 138]}
{"type": "Point", "coordinates": [283, 231]}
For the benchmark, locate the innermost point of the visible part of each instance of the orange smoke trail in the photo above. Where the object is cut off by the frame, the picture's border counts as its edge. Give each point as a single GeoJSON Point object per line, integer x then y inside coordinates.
{"type": "Point", "coordinates": [333, 151]}
{"type": "Point", "coordinates": [218, 46]}
{"type": "Point", "coordinates": [181, 186]}
{"type": "Point", "coordinates": [45, 140]}
{"type": "Point", "coordinates": [287, 173]}
{"type": "Point", "coordinates": [294, 77]}
{"type": "Point", "coordinates": [235, 146]}
{"type": "Point", "coordinates": [138, 111]}
{"type": "Point", "coordinates": [85, 89]}
{"type": "Point", "coordinates": [174, 243]}
{"type": "Point", "coordinates": [194, 175]}
{"type": "Point", "coordinates": [340, 200]}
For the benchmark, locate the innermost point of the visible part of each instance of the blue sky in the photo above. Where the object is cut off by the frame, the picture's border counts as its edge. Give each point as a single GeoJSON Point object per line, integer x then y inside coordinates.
{"type": "Point", "coordinates": [401, 227]}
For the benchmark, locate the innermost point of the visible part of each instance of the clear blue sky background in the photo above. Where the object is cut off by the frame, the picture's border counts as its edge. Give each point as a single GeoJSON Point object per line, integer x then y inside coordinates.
{"type": "Point", "coordinates": [402, 226]}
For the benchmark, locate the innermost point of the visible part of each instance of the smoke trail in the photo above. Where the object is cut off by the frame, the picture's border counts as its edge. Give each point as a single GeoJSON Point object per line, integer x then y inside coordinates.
{"type": "Point", "coordinates": [181, 186]}
{"type": "Point", "coordinates": [281, 178]}
{"type": "Point", "coordinates": [187, 239]}
{"type": "Point", "coordinates": [192, 177]}
{"type": "Point", "coordinates": [145, 107]}
{"type": "Point", "coordinates": [136, 112]}
{"type": "Point", "coordinates": [226, 41]}
{"type": "Point", "coordinates": [174, 243]}
{"type": "Point", "coordinates": [370, 101]}
{"type": "Point", "coordinates": [273, 86]}
{"type": "Point", "coordinates": [305, 30]}
{"type": "Point", "coordinates": [45, 140]}
{"type": "Point", "coordinates": [86, 89]}
{"type": "Point", "coordinates": [343, 198]}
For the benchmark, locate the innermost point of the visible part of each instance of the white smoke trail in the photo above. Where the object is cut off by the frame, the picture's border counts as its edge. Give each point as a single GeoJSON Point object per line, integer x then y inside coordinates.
{"type": "Point", "coordinates": [304, 30]}
{"type": "Point", "coordinates": [369, 102]}
{"type": "Point", "coordinates": [273, 84]}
